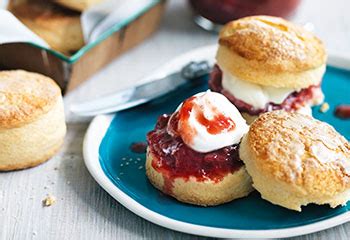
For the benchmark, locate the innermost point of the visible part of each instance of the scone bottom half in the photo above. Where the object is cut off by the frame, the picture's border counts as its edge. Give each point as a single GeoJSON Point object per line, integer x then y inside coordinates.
{"type": "Point", "coordinates": [201, 178]}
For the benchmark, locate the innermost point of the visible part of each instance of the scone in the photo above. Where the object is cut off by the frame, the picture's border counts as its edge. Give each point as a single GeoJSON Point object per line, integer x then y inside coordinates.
{"type": "Point", "coordinates": [78, 5]}
{"type": "Point", "coordinates": [32, 123]}
{"type": "Point", "coordinates": [59, 27]}
{"type": "Point", "coordinates": [295, 160]}
{"type": "Point", "coordinates": [267, 63]}
{"type": "Point", "coordinates": [193, 153]}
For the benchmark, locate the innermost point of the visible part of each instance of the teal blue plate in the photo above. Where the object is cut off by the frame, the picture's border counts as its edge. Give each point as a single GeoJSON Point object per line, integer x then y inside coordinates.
{"type": "Point", "coordinates": [121, 172]}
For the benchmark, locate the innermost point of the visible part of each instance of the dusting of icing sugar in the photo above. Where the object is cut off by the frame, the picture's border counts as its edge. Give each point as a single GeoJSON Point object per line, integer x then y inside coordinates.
{"type": "Point", "coordinates": [296, 164]}
{"type": "Point", "coordinates": [321, 153]}
{"type": "Point", "coordinates": [294, 149]}
{"type": "Point", "coordinates": [299, 125]}
{"type": "Point", "coordinates": [298, 146]}
{"type": "Point", "coordinates": [345, 165]}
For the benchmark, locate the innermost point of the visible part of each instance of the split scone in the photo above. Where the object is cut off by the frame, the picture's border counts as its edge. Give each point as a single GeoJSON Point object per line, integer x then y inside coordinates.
{"type": "Point", "coordinates": [59, 27]}
{"type": "Point", "coordinates": [78, 5]}
{"type": "Point", "coordinates": [193, 154]}
{"type": "Point", "coordinates": [32, 123]}
{"type": "Point", "coordinates": [295, 160]}
{"type": "Point", "coordinates": [267, 63]}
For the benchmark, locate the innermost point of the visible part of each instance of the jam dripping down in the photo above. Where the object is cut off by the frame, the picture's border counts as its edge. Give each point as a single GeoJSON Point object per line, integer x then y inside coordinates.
{"type": "Point", "coordinates": [138, 147]}
{"type": "Point", "coordinates": [174, 159]}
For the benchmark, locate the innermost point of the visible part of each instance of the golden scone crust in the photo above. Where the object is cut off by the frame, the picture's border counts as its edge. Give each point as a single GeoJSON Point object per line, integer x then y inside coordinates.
{"type": "Point", "coordinates": [25, 96]}
{"type": "Point", "coordinates": [258, 47]}
{"type": "Point", "coordinates": [78, 5]}
{"type": "Point", "coordinates": [59, 27]}
{"type": "Point", "coordinates": [251, 118]}
{"type": "Point", "coordinates": [204, 193]}
{"type": "Point", "coordinates": [295, 160]}
{"type": "Point", "coordinates": [32, 122]}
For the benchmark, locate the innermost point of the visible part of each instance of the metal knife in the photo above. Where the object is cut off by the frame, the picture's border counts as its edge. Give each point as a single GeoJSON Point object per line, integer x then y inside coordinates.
{"type": "Point", "coordinates": [134, 96]}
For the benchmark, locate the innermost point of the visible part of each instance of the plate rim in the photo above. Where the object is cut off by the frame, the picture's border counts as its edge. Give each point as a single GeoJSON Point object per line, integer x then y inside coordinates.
{"type": "Point", "coordinates": [100, 124]}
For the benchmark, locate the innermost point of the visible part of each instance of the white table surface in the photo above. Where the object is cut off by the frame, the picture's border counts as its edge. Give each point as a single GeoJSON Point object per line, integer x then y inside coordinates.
{"type": "Point", "coordinates": [83, 209]}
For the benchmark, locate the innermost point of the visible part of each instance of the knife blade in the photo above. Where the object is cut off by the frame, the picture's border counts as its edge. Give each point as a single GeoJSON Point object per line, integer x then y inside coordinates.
{"type": "Point", "coordinates": [134, 96]}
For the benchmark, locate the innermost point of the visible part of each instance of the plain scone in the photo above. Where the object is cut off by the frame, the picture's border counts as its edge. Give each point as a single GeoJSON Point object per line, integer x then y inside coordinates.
{"type": "Point", "coordinates": [204, 193]}
{"type": "Point", "coordinates": [32, 122]}
{"type": "Point", "coordinates": [295, 160]}
{"type": "Point", "coordinates": [59, 27]}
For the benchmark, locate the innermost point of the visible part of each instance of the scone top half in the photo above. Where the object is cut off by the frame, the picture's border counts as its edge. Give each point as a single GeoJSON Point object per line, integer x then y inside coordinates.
{"type": "Point", "coordinates": [295, 160]}
{"type": "Point", "coordinates": [267, 63]}
{"type": "Point", "coordinates": [24, 97]}
{"type": "Point", "coordinates": [272, 52]}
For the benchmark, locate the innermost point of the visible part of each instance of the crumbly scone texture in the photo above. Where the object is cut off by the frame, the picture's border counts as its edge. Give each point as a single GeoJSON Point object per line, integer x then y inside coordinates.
{"type": "Point", "coordinates": [58, 26]}
{"type": "Point", "coordinates": [24, 96]}
{"type": "Point", "coordinates": [295, 160]}
{"type": "Point", "coordinates": [271, 51]}
{"type": "Point", "coordinates": [204, 193]}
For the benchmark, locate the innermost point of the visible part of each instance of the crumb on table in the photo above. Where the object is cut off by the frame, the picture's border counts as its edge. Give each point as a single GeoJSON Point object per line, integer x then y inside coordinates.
{"type": "Point", "coordinates": [49, 200]}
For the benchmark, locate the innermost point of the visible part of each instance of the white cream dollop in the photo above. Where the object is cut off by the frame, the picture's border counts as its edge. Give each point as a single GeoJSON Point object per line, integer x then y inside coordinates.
{"type": "Point", "coordinates": [256, 95]}
{"type": "Point", "coordinates": [306, 110]}
{"type": "Point", "coordinates": [212, 122]}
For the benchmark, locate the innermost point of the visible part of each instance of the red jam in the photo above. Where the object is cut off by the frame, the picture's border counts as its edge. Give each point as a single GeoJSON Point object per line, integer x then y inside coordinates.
{"type": "Point", "coordinates": [216, 125]}
{"type": "Point", "coordinates": [223, 11]}
{"type": "Point", "coordinates": [343, 111]}
{"type": "Point", "coordinates": [176, 160]}
{"type": "Point", "coordinates": [293, 102]}
{"type": "Point", "coordinates": [138, 147]}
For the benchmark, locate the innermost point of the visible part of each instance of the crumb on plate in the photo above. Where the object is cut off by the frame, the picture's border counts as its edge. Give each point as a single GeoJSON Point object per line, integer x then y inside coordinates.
{"type": "Point", "coordinates": [324, 107]}
{"type": "Point", "coordinates": [343, 111]}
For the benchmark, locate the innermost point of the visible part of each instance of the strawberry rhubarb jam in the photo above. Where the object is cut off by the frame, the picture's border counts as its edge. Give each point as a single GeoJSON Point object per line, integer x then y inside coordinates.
{"type": "Point", "coordinates": [293, 102]}
{"type": "Point", "coordinates": [175, 159]}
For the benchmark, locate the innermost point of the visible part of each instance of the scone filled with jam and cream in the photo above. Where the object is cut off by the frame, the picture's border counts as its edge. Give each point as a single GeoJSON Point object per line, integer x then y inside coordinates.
{"type": "Point", "coordinates": [267, 63]}
{"type": "Point", "coordinates": [192, 154]}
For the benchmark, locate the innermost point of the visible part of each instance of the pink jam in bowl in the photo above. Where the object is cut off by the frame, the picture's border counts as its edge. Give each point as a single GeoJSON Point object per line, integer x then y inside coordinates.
{"type": "Point", "coordinates": [223, 11]}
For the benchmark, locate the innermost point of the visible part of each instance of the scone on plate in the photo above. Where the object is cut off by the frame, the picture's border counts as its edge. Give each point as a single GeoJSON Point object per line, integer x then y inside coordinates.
{"type": "Point", "coordinates": [78, 5]}
{"type": "Point", "coordinates": [295, 160]}
{"type": "Point", "coordinates": [267, 63]}
{"type": "Point", "coordinates": [32, 123]}
{"type": "Point", "coordinates": [59, 27]}
{"type": "Point", "coordinates": [193, 153]}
